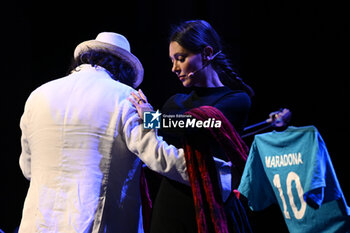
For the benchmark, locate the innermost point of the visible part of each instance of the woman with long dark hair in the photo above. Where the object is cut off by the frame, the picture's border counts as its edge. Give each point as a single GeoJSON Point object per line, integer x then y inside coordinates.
{"type": "Point", "coordinates": [200, 62]}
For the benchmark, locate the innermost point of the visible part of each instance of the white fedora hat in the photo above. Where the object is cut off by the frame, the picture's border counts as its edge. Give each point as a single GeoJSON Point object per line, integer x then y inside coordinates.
{"type": "Point", "coordinates": [116, 44]}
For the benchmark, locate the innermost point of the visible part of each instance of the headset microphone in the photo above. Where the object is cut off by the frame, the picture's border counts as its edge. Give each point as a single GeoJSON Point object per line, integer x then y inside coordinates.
{"type": "Point", "coordinates": [191, 74]}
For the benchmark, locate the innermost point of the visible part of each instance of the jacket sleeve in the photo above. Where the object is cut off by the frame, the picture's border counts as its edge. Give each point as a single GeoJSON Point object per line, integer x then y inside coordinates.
{"type": "Point", "coordinates": [25, 157]}
{"type": "Point", "coordinates": [151, 148]}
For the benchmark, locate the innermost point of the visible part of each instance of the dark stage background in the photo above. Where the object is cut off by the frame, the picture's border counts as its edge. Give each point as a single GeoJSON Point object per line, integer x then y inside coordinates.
{"type": "Point", "coordinates": [291, 52]}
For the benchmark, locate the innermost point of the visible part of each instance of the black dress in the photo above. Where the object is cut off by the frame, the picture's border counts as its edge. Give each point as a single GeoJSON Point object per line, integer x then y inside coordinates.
{"type": "Point", "coordinates": [173, 208]}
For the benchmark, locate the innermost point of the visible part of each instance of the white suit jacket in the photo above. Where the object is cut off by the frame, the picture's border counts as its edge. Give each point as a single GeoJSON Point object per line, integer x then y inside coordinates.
{"type": "Point", "coordinates": [82, 146]}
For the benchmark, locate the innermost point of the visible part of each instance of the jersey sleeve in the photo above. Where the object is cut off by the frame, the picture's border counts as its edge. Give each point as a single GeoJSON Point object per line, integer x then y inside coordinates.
{"type": "Point", "coordinates": [315, 178]}
{"type": "Point", "coordinates": [322, 185]}
{"type": "Point", "coordinates": [254, 182]}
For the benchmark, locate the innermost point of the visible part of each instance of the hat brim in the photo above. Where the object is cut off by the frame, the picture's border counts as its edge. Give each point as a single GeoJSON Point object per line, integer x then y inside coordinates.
{"type": "Point", "coordinates": [123, 54]}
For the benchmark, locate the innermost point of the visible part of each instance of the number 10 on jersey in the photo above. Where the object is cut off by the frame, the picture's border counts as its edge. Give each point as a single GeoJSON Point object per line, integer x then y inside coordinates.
{"type": "Point", "coordinates": [292, 176]}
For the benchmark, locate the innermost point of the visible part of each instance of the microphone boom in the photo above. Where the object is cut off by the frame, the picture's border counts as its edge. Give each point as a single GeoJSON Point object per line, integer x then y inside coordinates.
{"type": "Point", "coordinates": [191, 74]}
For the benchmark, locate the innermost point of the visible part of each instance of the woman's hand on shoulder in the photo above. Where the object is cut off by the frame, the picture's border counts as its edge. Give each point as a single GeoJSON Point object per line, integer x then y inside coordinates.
{"type": "Point", "coordinates": [139, 100]}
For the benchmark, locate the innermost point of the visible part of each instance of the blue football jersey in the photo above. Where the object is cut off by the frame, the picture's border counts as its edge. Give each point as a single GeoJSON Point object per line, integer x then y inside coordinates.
{"type": "Point", "coordinates": [293, 169]}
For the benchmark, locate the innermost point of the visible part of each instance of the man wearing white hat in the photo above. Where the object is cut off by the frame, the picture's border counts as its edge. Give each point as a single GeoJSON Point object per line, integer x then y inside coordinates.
{"type": "Point", "coordinates": [83, 144]}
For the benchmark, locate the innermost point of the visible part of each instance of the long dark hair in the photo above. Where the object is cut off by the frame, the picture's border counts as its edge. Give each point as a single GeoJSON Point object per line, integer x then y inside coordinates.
{"type": "Point", "coordinates": [194, 36]}
{"type": "Point", "coordinates": [118, 69]}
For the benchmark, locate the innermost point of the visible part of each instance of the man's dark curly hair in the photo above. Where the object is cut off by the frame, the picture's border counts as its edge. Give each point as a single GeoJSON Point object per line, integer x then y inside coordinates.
{"type": "Point", "coordinates": [119, 69]}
